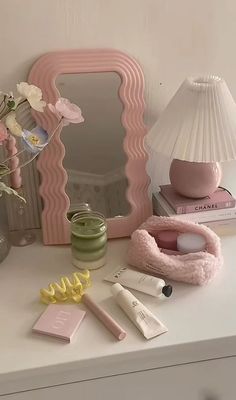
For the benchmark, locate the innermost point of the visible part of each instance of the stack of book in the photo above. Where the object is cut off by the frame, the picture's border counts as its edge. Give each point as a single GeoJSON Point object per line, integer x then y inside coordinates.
{"type": "Point", "coordinates": [217, 211]}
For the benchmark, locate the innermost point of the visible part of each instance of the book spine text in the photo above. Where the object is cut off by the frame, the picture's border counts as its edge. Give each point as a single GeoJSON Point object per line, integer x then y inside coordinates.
{"type": "Point", "coordinates": [204, 207]}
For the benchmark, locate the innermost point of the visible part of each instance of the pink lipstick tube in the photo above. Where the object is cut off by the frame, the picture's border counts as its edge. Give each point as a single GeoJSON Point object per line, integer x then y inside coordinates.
{"type": "Point", "coordinates": [104, 317]}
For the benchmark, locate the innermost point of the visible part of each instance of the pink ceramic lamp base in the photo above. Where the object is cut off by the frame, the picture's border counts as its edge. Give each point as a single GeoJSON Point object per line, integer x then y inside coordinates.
{"type": "Point", "coordinates": [195, 179]}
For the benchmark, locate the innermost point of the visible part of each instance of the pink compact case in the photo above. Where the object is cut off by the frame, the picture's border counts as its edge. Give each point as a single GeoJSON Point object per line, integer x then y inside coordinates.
{"type": "Point", "coordinates": [60, 321]}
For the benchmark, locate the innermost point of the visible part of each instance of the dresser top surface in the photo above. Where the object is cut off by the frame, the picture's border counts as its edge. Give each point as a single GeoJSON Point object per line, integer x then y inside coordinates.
{"type": "Point", "coordinates": [201, 320]}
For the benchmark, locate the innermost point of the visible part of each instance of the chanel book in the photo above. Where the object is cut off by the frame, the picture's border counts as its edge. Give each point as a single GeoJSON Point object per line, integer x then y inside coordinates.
{"type": "Point", "coordinates": [60, 321]}
{"type": "Point", "coordinates": [161, 207]}
{"type": "Point", "coordinates": [220, 199]}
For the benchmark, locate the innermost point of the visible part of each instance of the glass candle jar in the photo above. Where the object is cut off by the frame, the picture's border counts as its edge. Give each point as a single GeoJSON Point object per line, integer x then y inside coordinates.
{"type": "Point", "coordinates": [88, 239]}
{"type": "Point", "coordinates": [81, 207]}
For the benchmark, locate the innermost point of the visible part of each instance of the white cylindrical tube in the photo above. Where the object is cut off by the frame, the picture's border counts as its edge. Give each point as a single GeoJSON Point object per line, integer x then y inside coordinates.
{"type": "Point", "coordinates": [139, 281]}
{"type": "Point", "coordinates": [104, 317]}
{"type": "Point", "coordinates": [143, 319]}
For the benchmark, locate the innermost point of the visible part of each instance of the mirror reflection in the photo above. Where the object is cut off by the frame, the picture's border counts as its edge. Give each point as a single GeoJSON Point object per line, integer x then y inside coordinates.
{"type": "Point", "coordinates": [94, 155]}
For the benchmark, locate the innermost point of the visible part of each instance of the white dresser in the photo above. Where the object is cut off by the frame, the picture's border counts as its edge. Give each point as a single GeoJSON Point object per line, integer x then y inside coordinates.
{"type": "Point", "coordinates": [195, 360]}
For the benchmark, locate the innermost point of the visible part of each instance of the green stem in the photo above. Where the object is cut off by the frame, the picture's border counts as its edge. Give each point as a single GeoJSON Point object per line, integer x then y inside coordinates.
{"type": "Point", "coordinates": [53, 133]}
{"type": "Point", "coordinates": [14, 155]}
{"type": "Point", "coordinates": [21, 166]}
{"type": "Point", "coordinates": [5, 108]}
{"type": "Point", "coordinates": [3, 102]}
{"type": "Point", "coordinates": [11, 110]}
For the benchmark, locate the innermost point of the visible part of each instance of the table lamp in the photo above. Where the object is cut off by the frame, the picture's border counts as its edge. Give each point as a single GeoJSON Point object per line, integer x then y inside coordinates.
{"type": "Point", "coordinates": [197, 130]}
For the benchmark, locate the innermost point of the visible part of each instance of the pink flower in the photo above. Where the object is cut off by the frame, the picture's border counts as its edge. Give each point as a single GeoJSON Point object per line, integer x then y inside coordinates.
{"type": "Point", "coordinates": [3, 133]}
{"type": "Point", "coordinates": [70, 112]}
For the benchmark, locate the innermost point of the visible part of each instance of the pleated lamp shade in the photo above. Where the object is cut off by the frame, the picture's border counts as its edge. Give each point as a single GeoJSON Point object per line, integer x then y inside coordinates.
{"type": "Point", "coordinates": [199, 123]}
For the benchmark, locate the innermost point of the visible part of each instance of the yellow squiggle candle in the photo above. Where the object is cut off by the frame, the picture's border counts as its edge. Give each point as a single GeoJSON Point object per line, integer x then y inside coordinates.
{"type": "Point", "coordinates": [68, 289]}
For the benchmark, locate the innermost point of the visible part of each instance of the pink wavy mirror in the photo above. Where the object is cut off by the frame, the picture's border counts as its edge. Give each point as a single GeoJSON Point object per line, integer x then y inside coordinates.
{"type": "Point", "coordinates": [50, 73]}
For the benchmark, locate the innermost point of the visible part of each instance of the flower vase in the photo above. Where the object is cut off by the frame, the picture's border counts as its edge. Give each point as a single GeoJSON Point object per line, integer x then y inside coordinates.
{"type": "Point", "coordinates": [5, 244]}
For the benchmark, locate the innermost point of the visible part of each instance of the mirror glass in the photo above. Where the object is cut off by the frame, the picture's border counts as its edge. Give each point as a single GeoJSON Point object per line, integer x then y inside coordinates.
{"type": "Point", "coordinates": [94, 155]}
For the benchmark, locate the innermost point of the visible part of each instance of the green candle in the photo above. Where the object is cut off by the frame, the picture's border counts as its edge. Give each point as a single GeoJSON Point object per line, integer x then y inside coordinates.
{"type": "Point", "coordinates": [88, 239]}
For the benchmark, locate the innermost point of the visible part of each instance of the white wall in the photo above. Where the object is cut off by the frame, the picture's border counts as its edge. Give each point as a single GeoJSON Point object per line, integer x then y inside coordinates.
{"type": "Point", "coordinates": [170, 38]}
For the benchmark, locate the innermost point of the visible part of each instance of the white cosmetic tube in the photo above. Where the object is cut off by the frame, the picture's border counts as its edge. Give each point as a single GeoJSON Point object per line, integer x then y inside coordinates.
{"type": "Point", "coordinates": [140, 281]}
{"type": "Point", "coordinates": [142, 318]}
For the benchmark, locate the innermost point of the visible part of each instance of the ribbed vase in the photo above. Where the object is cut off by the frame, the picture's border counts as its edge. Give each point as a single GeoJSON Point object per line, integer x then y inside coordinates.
{"type": "Point", "coordinates": [5, 244]}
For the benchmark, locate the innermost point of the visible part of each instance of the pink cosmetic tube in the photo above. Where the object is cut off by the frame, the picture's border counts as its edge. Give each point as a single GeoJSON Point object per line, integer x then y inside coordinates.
{"type": "Point", "coordinates": [104, 317]}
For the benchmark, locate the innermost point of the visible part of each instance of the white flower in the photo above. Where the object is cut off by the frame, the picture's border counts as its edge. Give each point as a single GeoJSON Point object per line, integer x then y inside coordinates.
{"type": "Point", "coordinates": [12, 124]}
{"type": "Point", "coordinates": [33, 94]}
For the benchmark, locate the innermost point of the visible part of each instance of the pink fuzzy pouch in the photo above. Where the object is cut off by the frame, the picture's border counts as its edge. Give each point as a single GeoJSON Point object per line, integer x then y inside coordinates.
{"type": "Point", "coordinates": [195, 268]}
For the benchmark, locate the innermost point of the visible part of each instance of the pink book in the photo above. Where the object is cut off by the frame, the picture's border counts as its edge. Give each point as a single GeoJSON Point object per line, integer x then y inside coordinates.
{"type": "Point", "coordinates": [60, 320]}
{"type": "Point", "coordinates": [184, 205]}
